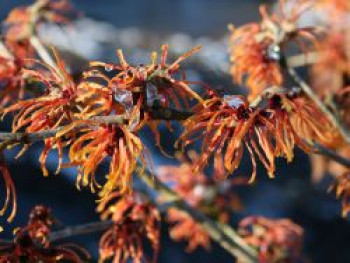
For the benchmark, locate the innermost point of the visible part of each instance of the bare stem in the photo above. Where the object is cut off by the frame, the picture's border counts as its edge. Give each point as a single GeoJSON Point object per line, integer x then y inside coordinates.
{"type": "Point", "coordinates": [331, 155]}
{"type": "Point", "coordinates": [80, 230]}
{"type": "Point", "coordinates": [70, 231]}
{"type": "Point", "coordinates": [9, 138]}
{"type": "Point", "coordinates": [159, 113]}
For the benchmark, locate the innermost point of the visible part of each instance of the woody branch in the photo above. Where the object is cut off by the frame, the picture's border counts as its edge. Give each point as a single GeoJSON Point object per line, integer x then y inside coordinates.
{"type": "Point", "coordinates": [8, 138]}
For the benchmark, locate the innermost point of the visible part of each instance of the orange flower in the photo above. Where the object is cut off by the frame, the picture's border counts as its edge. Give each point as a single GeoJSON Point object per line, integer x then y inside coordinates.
{"type": "Point", "coordinates": [141, 88]}
{"type": "Point", "coordinates": [49, 111]}
{"type": "Point", "coordinates": [276, 240]}
{"type": "Point", "coordinates": [341, 187]}
{"type": "Point", "coordinates": [22, 23]}
{"type": "Point", "coordinates": [249, 64]}
{"type": "Point", "coordinates": [257, 49]}
{"type": "Point", "coordinates": [134, 219]}
{"type": "Point", "coordinates": [310, 123]}
{"type": "Point", "coordinates": [335, 6]}
{"type": "Point", "coordinates": [11, 81]}
{"type": "Point", "coordinates": [330, 78]}
{"type": "Point", "coordinates": [155, 83]}
{"type": "Point", "coordinates": [185, 228]}
{"type": "Point", "coordinates": [9, 189]}
{"type": "Point", "coordinates": [215, 199]}
{"type": "Point", "coordinates": [31, 243]}
{"type": "Point", "coordinates": [18, 29]}
{"type": "Point", "coordinates": [94, 145]}
{"type": "Point", "coordinates": [207, 193]}
{"type": "Point", "coordinates": [216, 124]}
{"type": "Point", "coordinates": [184, 181]}
{"type": "Point", "coordinates": [331, 73]}
{"type": "Point", "coordinates": [230, 125]}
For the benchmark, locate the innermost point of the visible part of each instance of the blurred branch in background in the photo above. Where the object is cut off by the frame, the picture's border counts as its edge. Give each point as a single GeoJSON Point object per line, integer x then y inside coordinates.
{"type": "Point", "coordinates": [213, 58]}
{"type": "Point", "coordinates": [221, 233]}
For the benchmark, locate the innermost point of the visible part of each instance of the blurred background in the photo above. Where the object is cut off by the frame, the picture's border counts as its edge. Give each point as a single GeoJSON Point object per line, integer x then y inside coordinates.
{"type": "Point", "coordinates": [140, 26]}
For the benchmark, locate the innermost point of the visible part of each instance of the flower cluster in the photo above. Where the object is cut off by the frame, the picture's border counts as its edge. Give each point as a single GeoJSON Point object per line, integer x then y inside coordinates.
{"type": "Point", "coordinates": [341, 187]}
{"type": "Point", "coordinates": [229, 125]}
{"type": "Point", "coordinates": [17, 51]}
{"type": "Point", "coordinates": [49, 111]}
{"type": "Point", "coordinates": [330, 79]}
{"type": "Point", "coordinates": [184, 228]}
{"type": "Point", "coordinates": [31, 243]}
{"type": "Point", "coordinates": [256, 49]}
{"type": "Point", "coordinates": [134, 220]}
{"type": "Point", "coordinates": [125, 100]}
{"type": "Point", "coordinates": [155, 84]}
{"type": "Point", "coordinates": [22, 22]}
{"type": "Point", "coordinates": [336, 7]}
{"type": "Point", "coordinates": [276, 240]}
{"type": "Point", "coordinates": [212, 197]}
{"type": "Point", "coordinates": [11, 80]}
{"type": "Point", "coordinates": [330, 74]}
{"type": "Point", "coordinates": [114, 141]}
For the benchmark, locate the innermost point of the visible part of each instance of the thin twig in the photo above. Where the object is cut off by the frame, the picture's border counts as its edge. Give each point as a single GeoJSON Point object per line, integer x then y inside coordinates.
{"type": "Point", "coordinates": [331, 155]}
{"type": "Point", "coordinates": [8, 138]}
{"type": "Point", "coordinates": [70, 231]}
{"type": "Point", "coordinates": [303, 59]}
{"type": "Point", "coordinates": [223, 234]}
{"type": "Point", "coordinates": [42, 51]}
{"type": "Point", "coordinates": [80, 230]}
{"type": "Point", "coordinates": [311, 94]}
{"type": "Point", "coordinates": [5, 242]}
{"type": "Point", "coordinates": [159, 113]}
